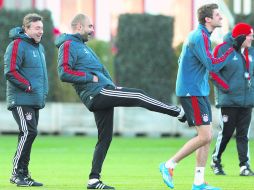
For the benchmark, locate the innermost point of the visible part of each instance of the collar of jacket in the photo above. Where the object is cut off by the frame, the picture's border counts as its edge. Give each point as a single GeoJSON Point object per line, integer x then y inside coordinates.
{"type": "Point", "coordinates": [79, 37]}
{"type": "Point", "coordinates": [31, 41]}
{"type": "Point", "coordinates": [202, 27]}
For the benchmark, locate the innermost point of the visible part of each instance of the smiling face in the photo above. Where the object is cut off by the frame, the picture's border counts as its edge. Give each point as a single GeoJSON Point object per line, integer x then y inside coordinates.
{"type": "Point", "coordinates": [83, 25]}
{"type": "Point", "coordinates": [35, 30]}
{"type": "Point", "coordinates": [33, 26]}
{"type": "Point", "coordinates": [86, 29]}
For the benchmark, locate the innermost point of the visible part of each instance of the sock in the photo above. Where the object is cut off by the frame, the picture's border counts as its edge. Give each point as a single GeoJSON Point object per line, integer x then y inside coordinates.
{"type": "Point", "coordinates": [199, 175]}
{"type": "Point", "coordinates": [170, 164]}
{"type": "Point", "coordinates": [92, 181]}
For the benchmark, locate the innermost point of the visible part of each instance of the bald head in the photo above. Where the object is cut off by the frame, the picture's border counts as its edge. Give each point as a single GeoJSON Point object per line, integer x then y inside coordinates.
{"type": "Point", "coordinates": [78, 19]}
{"type": "Point", "coordinates": [82, 24]}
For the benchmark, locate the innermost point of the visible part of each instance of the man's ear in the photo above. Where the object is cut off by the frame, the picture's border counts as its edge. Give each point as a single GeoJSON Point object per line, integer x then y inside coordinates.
{"type": "Point", "coordinates": [79, 26]}
{"type": "Point", "coordinates": [207, 19]}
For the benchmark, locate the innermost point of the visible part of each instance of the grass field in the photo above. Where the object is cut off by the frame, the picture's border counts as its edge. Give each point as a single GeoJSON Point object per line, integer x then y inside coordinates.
{"type": "Point", "coordinates": [63, 163]}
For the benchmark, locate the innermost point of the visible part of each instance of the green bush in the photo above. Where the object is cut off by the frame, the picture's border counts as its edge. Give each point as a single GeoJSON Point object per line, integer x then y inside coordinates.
{"type": "Point", "coordinates": [245, 18]}
{"type": "Point", "coordinates": [145, 57]}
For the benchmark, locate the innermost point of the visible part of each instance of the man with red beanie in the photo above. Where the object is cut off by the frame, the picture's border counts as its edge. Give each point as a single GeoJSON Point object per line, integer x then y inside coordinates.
{"type": "Point", "coordinates": [234, 95]}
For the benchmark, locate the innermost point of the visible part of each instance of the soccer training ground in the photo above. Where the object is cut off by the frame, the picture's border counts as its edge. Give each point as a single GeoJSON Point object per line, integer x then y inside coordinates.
{"type": "Point", "coordinates": [63, 163]}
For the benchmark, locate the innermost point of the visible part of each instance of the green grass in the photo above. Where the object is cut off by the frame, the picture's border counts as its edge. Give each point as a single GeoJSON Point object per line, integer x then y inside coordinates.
{"type": "Point", "coordinates": [63, 163]}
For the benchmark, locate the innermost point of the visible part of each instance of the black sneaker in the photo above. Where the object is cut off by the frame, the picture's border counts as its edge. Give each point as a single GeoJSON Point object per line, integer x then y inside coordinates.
{"type": "Point", "coordinates": [217, 168]}
{"type": "Point", "coordinates": [24, 181]}
{"type": "Point", "coordinates": [32, 182]}
{"type": "Point", "coordinates": [19, 180]}
{"type": "Point", "coordinates": [246, 171]}
{"type": "Point", "coordinates": [99, 185]}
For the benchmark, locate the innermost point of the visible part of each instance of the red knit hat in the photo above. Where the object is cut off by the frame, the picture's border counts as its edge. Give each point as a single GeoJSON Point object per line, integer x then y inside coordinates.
{"type": "Point", "coordinates": [241, 29]}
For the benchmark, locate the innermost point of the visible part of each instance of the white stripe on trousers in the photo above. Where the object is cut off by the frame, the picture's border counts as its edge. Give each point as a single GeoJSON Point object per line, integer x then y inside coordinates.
{"type": "Point", "coordinates": [248, 151]}
{"type": "Point", "coordinates": [139, 96]}
{"type": "Point", "coordinates": [22, 140]}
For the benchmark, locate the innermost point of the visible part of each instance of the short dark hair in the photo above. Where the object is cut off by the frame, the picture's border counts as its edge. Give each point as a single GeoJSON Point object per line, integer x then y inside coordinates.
{"type": "Point", "coordinates": [206, 11]}
{"type": "Point", "coordinates": [31, 17]}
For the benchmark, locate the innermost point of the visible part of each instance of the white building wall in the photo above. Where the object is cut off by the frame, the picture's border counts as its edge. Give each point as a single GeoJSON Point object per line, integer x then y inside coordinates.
{"type": "Point", "coordinates": [247, 7]}
{"type": "Point", "coordinates": [102, 23]}
{"type": "Point", "coordinates": [155, 7]}
{"type": "Point", "coordinates": [73, 118]}
{"type": "Point", "coordinates": [54, 6]}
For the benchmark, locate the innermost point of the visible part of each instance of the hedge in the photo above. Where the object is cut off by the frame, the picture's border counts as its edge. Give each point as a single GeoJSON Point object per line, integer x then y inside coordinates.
{"type": "Point", "coordinates": [145, 58]}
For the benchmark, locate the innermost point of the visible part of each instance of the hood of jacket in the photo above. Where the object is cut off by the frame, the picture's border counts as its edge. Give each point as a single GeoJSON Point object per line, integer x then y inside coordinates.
{"type": "Point", "coordinates": [228, 38]}
{"type": "Point", "coordinates": [19, 33]}
{"type": "Point", "coordinates": [65, 37]}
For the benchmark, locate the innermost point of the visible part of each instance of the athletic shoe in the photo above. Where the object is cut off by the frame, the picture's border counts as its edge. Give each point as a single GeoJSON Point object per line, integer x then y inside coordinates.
{"type": "Point", "coordinates": [217, 168]}
{"type": "Point", "coordinates": [204, 186]}
{"type": "Point", "coordinates": [167, 175]}
{"type": "Point", "coordinates": [24, 181]}
{"type": "Point", "coordinates": [99, 185]}
{"type": "Point", "coordinates": [246, 171]}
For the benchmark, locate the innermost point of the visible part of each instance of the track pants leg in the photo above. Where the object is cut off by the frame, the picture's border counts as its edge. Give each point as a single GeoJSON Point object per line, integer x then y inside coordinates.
{"type": "Point", "coordinates": [104, 122]}
{"type": "Point", "coordinates": [130, 97]}
{"type": "Point", "coordinates": [228, 125]}
{"type": "Point", "coordinates": [27, 120]}
{"type": "Point", "coordinates": [242, 139]}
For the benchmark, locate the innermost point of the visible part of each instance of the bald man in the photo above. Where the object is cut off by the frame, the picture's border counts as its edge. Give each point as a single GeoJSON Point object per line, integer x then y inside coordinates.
{"type": "Point", "coordinates": [79, 65]}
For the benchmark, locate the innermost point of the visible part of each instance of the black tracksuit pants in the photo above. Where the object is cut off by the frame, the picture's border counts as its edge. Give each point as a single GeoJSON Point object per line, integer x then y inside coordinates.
{"type": "Point", "coordinates": [234, 118]}
{"type": "Point", "coordinates": [103, 109]}
{"type": "Point", "coordinates": [27, 120]}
